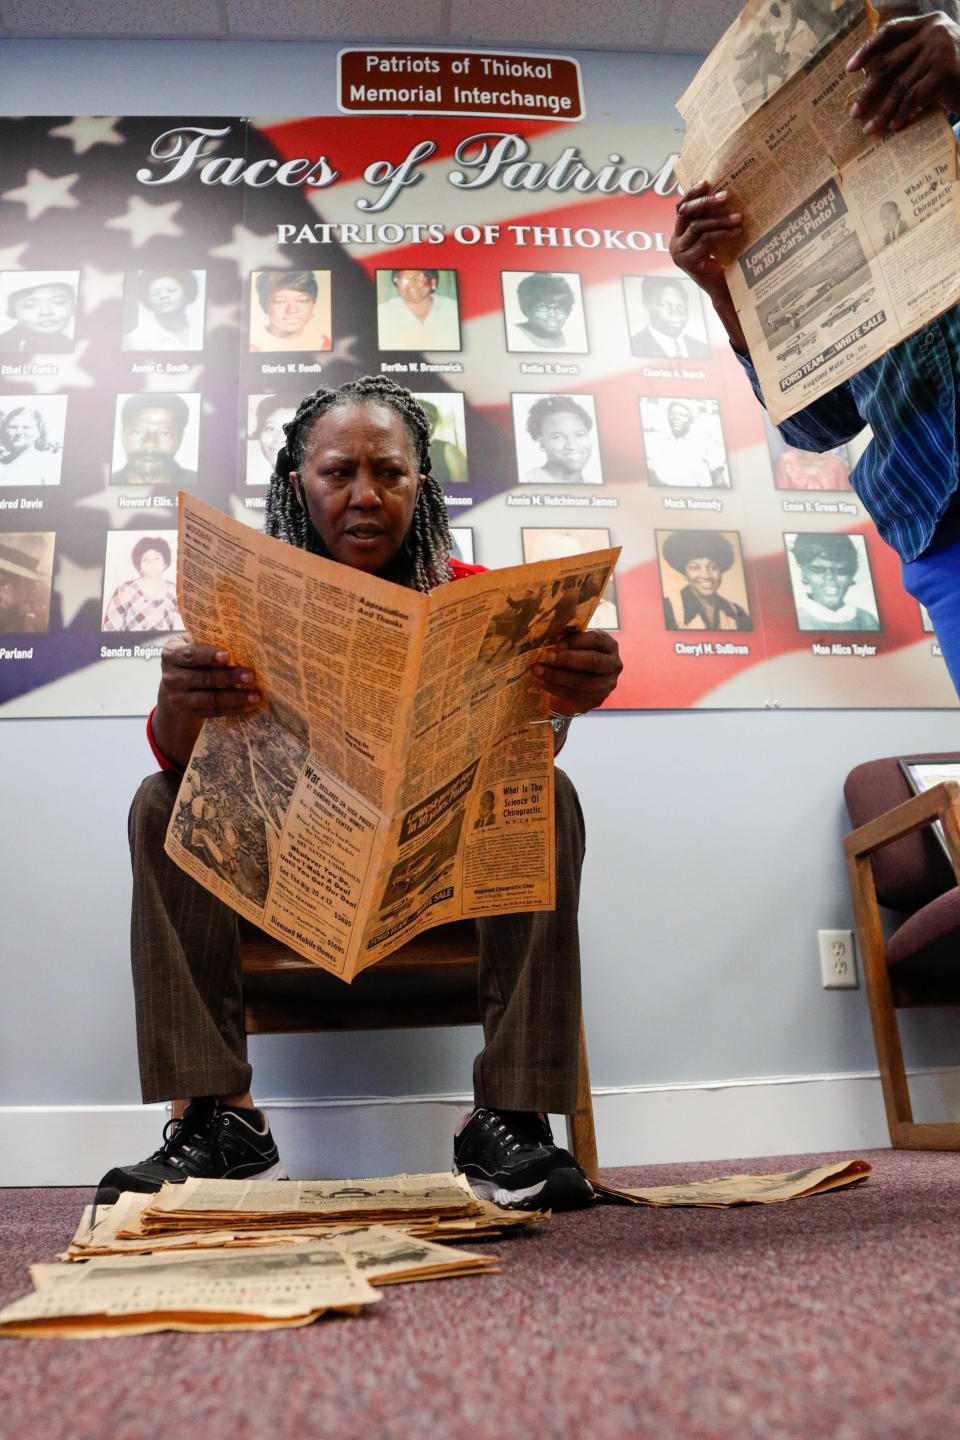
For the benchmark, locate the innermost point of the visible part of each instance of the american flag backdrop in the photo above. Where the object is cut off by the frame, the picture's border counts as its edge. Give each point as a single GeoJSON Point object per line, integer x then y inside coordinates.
{"type": "Point", "coordinates": [71, 201]}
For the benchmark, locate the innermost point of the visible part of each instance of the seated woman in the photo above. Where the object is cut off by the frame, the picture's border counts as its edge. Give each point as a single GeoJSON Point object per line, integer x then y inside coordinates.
{"type": "Point", "coordinates": [703, 557]}
{"type": "Point", "coordinates": [353, 484]}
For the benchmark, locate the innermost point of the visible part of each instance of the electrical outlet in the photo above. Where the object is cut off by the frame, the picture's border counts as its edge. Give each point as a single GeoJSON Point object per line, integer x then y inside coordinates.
{"type": "Point", "coordinates": [838, 963]}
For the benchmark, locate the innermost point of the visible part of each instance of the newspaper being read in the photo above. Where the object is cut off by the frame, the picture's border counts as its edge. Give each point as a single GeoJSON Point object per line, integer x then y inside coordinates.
{"type": "Point", "coordinates": [849, 241]}
{"type": "Point", "coordinates": [399, 773]}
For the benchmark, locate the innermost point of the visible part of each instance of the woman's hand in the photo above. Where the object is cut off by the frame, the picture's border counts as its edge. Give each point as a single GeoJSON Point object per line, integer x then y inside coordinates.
{"type": "Point", "coordinates": [913, 64]}
{"type": "Point", "coordinates": [704, 221]}
{"type": "Point", "coordinates": [579, 673]}
{"type": "Point", "coordinates": [197, 681]}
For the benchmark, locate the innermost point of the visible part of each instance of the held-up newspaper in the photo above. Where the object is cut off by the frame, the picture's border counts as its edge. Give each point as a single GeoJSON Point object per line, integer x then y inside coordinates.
{"type": "Point", "coordinates": [850, 241]}
{"type": "Point", "coordinates": [399, 773]}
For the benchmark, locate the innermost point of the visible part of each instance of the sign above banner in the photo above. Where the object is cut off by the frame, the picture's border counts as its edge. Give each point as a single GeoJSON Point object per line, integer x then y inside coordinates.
{"type": "Point", "coordinates": [390, 81]}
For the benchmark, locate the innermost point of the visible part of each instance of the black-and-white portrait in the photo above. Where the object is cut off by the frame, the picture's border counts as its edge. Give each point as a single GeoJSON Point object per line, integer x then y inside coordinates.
{"type": "Point", "coordinates": [38, 310]}
{"type": "Point", "coordinates": [448, 435]}
{"type": "Point", "coordinates": [683, 441]}
{"type": "Point", "coordinates": [31, 439]}
{"type": "Point", "coordinates": [156, 439]}
{"type": "Point", "coordinates": [556, 439]}
{"type": "Point", "coordinates": [831, 582]}
{"type": "Point", "coordinates": [26, 574]}
{"type": "Point", "coordinates": [665, 317]}
{"type": "Point", "coordinates": [140, 582]}
{"type": "Point", "coordinates": [163, 310]}
{"type": "Point", "coordinates": [266, 417]}
{"type": "Point", "coordinates": [543, 310]}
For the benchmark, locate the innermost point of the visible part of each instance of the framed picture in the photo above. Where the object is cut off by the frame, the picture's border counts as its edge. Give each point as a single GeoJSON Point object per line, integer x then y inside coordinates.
{"type": "Point", "coordinates": [922, 773]}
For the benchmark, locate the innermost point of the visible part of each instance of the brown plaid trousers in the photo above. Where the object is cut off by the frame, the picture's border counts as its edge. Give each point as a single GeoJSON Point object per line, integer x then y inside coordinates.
{"type": "Point", "coordinates": [188, 985]}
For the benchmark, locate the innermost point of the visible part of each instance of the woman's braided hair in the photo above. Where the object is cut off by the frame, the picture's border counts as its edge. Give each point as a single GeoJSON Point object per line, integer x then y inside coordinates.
{"type": "Point", "coordinates": [423, 561]}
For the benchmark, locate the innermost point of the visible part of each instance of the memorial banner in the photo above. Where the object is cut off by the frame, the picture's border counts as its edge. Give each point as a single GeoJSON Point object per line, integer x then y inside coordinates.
{"type": "Point", "coordinates": [170, 287]}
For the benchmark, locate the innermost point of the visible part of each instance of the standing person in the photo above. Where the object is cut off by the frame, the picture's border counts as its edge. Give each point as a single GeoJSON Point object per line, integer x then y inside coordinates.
{"type": "Point", "coordinates": [352, 483]}
{"type": "Point", "coordinates": [908, 475]}
{"type": "Point", "coordinates": [417, 318]}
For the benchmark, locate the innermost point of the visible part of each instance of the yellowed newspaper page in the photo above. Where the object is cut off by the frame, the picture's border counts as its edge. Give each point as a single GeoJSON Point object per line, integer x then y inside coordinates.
{"type": "Point", "coordinates": [282, 814]}
{"type": "Point", "coordinates": [473, 832]}
{"type": "Point", "coordinates": [728, 1190]}
{"type": "Point", "coordinates": [850, 242]}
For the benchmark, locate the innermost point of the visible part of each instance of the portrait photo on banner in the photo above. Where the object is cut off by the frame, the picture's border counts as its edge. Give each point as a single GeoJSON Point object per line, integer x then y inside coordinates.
{"type": "Point", "coordinates": [448, 435]}
{"type": "Point", "coordinates": [26, 575]}
{"type": "Point", "coordinates": [665, 317]}
{"type": "Point", "coordinates": [683, 443]}
{"type": "Point", "coordinates": [560, 543]}
{"type": "Point", "coordinates": [289, 310]}
{"type": "Point", "coordinates": [266, 417]}
{"type": "Point", "coordinates": [156, 439]}
{"type": "Point", "coordinates": [806, 469]}
{"type": "Point", "coordinates": [463, 549]}
{"type": "Point", "coordinates": [418, 310]}
{"type": "Point", "coordinates": [140, 582]}
{"type": "Point", "coordinates": [831, 581]}
{"type": "Point", "coordinates": [163, 310]}
{"type": "Point", "coordinates": [702, 580]}
{"type": "Point", "coordinates": [31, 439]}
{"type": "Point", "coordinates": [38, 311]}
{"type": "Point", "coordinates": [556, 439]}
{"type": "Point", "coordinates": [543, 310]}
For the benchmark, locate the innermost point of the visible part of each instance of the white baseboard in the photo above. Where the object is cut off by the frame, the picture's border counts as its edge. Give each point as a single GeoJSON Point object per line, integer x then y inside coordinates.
{"type": "Point", "coordinates": [636, 1125]}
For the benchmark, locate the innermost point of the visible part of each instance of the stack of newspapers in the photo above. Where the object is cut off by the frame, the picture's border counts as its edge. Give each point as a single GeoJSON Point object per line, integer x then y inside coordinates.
{"type": "Point", "coordinates": [237, 1255]}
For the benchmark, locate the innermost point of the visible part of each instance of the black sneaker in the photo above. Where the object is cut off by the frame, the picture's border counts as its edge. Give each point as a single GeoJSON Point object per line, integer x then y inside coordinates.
{"type": "Point", "coordinates": [509, 1157]}
{"type": "Point", "coordinates": [210, 1140]}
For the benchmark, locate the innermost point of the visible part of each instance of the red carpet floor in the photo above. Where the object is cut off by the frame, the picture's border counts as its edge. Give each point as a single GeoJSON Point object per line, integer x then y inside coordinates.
{"type": "Point", "coordinates": [833, 1318]}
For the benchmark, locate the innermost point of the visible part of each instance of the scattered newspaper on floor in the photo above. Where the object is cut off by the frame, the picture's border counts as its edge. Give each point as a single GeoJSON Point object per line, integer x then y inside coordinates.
{"type": "Point", "coordinates": [215, 1290]}
{"type": "Point", "coordinates": [850, 241]}
{"type": "Point", "coordinates": [400, 771]}
{"type": "Point", "coordinates": [729, 1190]}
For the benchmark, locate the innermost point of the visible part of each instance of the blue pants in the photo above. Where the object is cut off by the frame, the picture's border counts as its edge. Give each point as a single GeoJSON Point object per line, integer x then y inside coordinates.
{"type": "Point", "coordinates": [934, 580]}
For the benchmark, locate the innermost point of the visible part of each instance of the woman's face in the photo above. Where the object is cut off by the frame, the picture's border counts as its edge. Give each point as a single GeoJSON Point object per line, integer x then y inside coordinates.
{"type": "Point", "coordinates": [548, 316]}
{"type": "Point", "coordinates": [288, 311]}
{"type": "Point", "coordinates": [152, 564]}
{"type": "Point", "coordinates": [20, 431]}
{"type": "Point", "coordinates": [704, 575]}
{"type": "Point", "coordinates": [414, 286]}
{"type": "Point", "coordinates": [360, 480]}
{"type": "Point", "coordinates": [165, 295]}
{"type": "Point", "coordinates": [44, 310]}
{"type": "Point", "coordinates": [827, 579]}
{"type": "Point", "coordinates": [271, 436]}
{"type": "Point", "coordinates": [566, 441]}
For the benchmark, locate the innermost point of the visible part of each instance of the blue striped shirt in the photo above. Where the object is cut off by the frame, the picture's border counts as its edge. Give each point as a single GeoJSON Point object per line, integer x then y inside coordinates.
{"type": "Point", "coordinates": [908, 474]}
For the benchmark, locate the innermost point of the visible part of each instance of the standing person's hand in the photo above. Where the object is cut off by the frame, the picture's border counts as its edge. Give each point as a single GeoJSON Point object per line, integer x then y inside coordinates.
{"type": "Point", "coordinates": [197, 681]}
{"type": "Point", "coordinates": [704, 222]}
{"type": "Point", "coordinates": [912, 65]}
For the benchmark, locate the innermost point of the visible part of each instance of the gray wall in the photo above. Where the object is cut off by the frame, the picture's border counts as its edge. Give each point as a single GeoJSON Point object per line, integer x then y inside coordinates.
{"type": "Point", "coordinates": [714, 852]}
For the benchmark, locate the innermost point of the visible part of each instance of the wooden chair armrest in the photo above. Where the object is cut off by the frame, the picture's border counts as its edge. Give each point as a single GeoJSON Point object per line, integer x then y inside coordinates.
{"type": "Point", "coordinates": [941, 802]}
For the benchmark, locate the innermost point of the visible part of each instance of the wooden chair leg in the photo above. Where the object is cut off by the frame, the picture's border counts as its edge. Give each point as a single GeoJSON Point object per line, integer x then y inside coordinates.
{"type": "Point", "coordinates": [581, 1132]}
